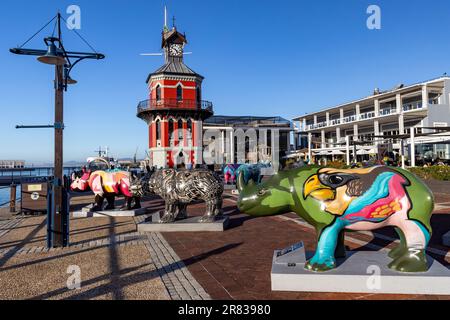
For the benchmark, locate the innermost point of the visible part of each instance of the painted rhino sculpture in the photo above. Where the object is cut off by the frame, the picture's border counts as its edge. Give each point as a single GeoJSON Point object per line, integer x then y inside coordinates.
{"type": "Point", "coordinates": [229, 173]}
{"type": "Point", "coordinates": [250, 171]}
{"type": "Point", "coordinates": [339, 200]}
{"type": "Point", "coordinates": [178, 188]}
{"type": "Point", "coordinates": [106, 185]}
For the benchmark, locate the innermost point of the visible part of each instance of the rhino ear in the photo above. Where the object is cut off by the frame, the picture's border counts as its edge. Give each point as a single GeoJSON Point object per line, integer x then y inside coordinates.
{"type": "Point", "coordinates": [240, 183]}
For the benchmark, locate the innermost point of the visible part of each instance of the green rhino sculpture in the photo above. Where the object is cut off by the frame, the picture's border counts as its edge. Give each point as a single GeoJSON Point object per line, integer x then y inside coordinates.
{"type": "Point", "coordinates": [339, 200]}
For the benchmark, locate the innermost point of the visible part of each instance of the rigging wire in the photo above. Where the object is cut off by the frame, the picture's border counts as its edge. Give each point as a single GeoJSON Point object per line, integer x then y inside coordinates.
{"type": "Point", "coordinates": [37, 32]}
{"type": "Point", "coordinates": [54, 29]}
{"type": "Point", "coordinates": [79, 35]}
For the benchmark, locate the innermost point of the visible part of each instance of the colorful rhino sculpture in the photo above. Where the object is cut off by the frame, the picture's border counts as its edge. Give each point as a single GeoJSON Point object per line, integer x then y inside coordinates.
{"type": "Point", "coordinates": [106, 185]}
{"type": "Point", "coordinates": [229, 173]}
{"type": "Point", "coordinates": [250, 171]}
{"type": "Point", "coordinates": [338, 200]}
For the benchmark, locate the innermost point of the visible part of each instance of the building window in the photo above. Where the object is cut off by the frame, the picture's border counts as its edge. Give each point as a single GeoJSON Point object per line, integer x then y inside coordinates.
{"type": "Point", "coordinates": [189, 125]}
{"type": "Point", "coordinates": [179, 93]}
{"type": "Point", "coordinates": [158, 93]}
{"type": "Point", "coordinates": [171, 127]}
{"type": "Point", "coordinates": [158, 130]}
{"type": "Point", "coordinates": [180, 129]}
{"type": "Point", "coordinates": [199, 96]}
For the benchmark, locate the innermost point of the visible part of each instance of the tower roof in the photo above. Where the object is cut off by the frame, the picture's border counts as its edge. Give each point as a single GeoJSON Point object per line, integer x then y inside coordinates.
{"type": "Point", "coordinates": [173, 65]}
{"type": "Point", "coordinates": [172, 36]}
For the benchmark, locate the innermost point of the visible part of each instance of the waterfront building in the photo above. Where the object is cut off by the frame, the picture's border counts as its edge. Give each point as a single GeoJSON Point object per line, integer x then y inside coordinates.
{"type": "Point", "coordinates": [253, 139]}
{"type": "Point", "coordinates": [178, 118]}
{"type": "Point", "coordinates": [12, 164]}
{"type": "Point", "coordinates": [359, 126]}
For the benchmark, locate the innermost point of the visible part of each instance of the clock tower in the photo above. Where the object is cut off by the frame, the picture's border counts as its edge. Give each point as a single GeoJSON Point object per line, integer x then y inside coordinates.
{"type": "Point", "coordinates": [175, 110]}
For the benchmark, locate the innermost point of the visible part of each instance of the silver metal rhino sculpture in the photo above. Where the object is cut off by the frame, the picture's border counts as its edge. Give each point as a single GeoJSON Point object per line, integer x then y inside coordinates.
{"type": "Point", "coordinates": [179, 188]}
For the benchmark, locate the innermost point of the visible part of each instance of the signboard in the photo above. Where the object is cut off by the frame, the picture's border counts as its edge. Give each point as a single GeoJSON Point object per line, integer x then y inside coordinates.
{"type": "Point", "coordinates": [290, 249]}
{"type": "Point", "coordinates": [34, 187]}
{"type": "Point", "coordinates": [291, 256]}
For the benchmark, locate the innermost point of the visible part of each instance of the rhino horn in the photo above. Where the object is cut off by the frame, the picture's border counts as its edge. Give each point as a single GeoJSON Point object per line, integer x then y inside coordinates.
{"type": "Point", "coordinates": [240, 184]}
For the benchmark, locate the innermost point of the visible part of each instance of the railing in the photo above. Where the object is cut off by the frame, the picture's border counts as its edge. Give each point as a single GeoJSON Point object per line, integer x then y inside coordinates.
{"type": "Point", "coordinates": [412, 106]}
{"type": "Point", "coordinates": [369, 115]}
{"type": "Point", "coordinates": [13, 194]}
{"type": "Point", "coordinates": [147, 105]}
{"type": "Point", "coordinates": [385, 112]}
{"type": "Point", "coordinates": [350, 118]}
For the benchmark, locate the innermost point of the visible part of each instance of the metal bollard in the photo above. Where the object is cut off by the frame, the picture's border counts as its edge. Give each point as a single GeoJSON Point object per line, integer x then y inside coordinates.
{"type": "Point", "coordinates": [12, 198]}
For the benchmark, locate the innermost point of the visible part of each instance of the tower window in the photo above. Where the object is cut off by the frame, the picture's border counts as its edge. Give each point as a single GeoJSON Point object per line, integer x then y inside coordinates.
{"type": "Point", "coordinates": [189, 128]}
{"type": "Point", "coordinates": [171, 127]}
{"type": "Point", "coordinates": [158, 130]}
{"type": "Point", "coordinates": [199, 96]}
{"type": "Point", "coordinates": [180, 129]}
{"type": "Point", "coordinates": [179, 93]}
{"type": "Point", "coordinates": [158, 93]}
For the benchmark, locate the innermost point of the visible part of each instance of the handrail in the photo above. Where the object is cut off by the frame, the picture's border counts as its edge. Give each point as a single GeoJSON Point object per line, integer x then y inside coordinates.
{"type": "Point", "coordinates": [173, 103]}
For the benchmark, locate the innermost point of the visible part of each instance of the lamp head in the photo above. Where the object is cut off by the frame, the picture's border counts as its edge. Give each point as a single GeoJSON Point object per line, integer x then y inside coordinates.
{"type": "Point", "coordinates": [52, 56]}
{"type": "Point", "coordinates": [70, 80]}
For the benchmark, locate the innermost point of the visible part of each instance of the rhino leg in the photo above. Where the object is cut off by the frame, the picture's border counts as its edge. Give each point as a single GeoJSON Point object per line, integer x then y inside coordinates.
{"type": "Point", "coordinates": [324, 258]}
{"type": "Point", "coordinates": [401, 248]}
{"type": "Point", "coordinates": [182, 211]}
{"type": "Point", "coordinates": [217, 207]}
{"type": "Point", "coordinates": [137, 203]}
{"type": "Point", "coordinates": [209, 215]}
{"type": "Point", "coordinates": [413, 257]}
{"type": "Point", "coordinates": [169, 213]}
{"type": "Point", "coordinates": [98, 205]}
{"type": "Point", "coordinates": [111, 200]}
{"type": "Point", "coordinates": [340, 248]}
{"type": "Point", "coordinates": [213, 210]}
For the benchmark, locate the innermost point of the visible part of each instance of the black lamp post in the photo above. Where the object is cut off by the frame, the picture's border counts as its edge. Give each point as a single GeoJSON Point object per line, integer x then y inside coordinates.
{"type": "Point", "coordinates": [58, 208]}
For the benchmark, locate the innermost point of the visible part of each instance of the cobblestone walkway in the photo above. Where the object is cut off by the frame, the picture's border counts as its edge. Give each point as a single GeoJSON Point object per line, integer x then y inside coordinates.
{"type": "Point", "coordinates": [176, 277]}
{"type": "Point", "coordinates": [179, 282]}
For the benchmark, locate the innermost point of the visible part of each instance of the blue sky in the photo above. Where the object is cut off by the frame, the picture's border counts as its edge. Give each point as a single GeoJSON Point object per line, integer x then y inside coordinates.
{"type": "Point", "coordinates": [258, 57]}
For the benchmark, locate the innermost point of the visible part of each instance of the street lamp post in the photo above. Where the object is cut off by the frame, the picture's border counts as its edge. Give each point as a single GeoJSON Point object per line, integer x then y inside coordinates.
{"type": "Point", "coordinates": [58, 208]}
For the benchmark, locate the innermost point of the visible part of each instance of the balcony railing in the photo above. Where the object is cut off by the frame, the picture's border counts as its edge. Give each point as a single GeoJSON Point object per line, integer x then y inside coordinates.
{"type": "Point", "coordinates": [367, 115]}
{"type": "Point", "coordinates": [412, 106]}
{"type": "Point", "coordinates": [385, 112]}
{"type": "Point", "coordinates": [370, 114]}
{"type": "Point", "coordinates": [148, 105]}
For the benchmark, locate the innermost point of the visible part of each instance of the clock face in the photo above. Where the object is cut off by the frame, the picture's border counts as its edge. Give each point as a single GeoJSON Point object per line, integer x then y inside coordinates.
{"type": "Point", "coordinates": [176, 50]}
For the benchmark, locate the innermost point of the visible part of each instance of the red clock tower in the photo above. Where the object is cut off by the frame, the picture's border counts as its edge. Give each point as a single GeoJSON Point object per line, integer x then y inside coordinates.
{"type": "Point", "coordinates": [175, 110]}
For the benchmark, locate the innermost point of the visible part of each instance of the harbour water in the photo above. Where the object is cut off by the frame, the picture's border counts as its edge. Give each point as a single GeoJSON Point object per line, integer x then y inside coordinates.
{"type": "Point", "coordinates": [5, 194]}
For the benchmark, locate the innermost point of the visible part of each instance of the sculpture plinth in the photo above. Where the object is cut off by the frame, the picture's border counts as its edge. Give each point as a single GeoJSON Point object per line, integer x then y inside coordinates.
{"type": "Point", "coordinates": [358, 272]}
{"type": "Point", "coordinates": [190, 224]}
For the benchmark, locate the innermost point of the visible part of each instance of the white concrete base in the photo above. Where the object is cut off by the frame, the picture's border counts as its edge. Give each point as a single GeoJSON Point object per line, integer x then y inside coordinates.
{"type": "Point", "coordinates": [446, 239]}
{"type": "Point", "coordinates": [87, 213]}
{"type": "Point", "coordinates": [361, 272]}
{"type": "Point", "coordinates": [191, 224]}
